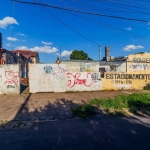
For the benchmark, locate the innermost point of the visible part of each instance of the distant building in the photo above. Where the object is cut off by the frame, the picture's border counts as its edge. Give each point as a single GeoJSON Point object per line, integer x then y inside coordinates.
{"type": "Point", "coordinates": [33, 56]}
{"type": "Point", "coordinates": [8, 57]}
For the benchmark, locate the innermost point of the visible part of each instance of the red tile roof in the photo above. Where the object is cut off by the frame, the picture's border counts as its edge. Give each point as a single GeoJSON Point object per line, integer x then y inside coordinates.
{"type": "Point", "coordinates": [26, 53]}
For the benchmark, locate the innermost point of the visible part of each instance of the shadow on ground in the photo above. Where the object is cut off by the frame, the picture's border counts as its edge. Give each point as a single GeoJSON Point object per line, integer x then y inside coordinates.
{"type": "Point", "coordinates": [36, 131]}
{"type": "Point", "coordinates": [93, 134]}
{"type": "Point", "coordinates": [23, 88]}
{"type": "Point", "coordinates": [30, 113]}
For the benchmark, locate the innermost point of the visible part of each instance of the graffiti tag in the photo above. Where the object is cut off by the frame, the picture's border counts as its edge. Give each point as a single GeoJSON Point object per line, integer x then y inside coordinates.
{"type": "Point", "coordinates": [10, 86]}
{"type": "Point", "coordinates": [75, 79]}
{"type": "Point", "coordinates": [139, 66]}
{"type": "Point", "coordinates": [11, 77]}
{"type": "Point", "coordinates": [58, 73]}
{"type": "Point", "coordinates": [95, 77]}
{"type": "Point", "coordinates": [48, 69]}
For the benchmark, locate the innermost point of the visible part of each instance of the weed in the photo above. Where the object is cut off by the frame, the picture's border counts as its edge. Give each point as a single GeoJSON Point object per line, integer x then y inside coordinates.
{"type": "Point", "coordinates": [84, 111]}
{"type": "Point", "coordinates": [19, 123]}
{"type": "Point", "coordinates": [133, 102]}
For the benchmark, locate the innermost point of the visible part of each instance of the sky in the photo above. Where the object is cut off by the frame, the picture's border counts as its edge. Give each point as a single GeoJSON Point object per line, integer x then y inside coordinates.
{"type": "Point", "coordinates": [61, 26]}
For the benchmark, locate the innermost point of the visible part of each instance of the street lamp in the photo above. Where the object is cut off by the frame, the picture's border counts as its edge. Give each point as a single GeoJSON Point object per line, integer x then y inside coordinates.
{"type": "Point", "coordinates": [58, 61]}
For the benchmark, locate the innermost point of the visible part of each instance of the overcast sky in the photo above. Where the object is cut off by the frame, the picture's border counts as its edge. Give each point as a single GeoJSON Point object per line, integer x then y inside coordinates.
{"type": "Point", "coordinates": [124, 25]}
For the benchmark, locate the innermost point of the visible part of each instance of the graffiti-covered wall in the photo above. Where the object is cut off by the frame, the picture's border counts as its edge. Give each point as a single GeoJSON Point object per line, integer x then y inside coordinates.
{"type": "Point", "coordinates": [83, 81]}
{"type": "Point", "coordinates": [10, 79]}
{"type": "Point", "coordinates": [136, 77]}
{"type": "Point", "coordinates": [47, 78]}
{"type": "Point", "coordinates": [60, 78]}
{"type": "Point", "coordinates": [139, 63]}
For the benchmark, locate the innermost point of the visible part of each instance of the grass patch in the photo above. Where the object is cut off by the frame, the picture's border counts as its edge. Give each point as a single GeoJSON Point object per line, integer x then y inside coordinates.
{"type": "Point", "coordinates": [117, 102]}
{"type": "Point", "coordinates": [134, 103]}
{"type": "Point", "coordinates": [120, 105]}
{"type": "Point", "coordinates": [84, 111]}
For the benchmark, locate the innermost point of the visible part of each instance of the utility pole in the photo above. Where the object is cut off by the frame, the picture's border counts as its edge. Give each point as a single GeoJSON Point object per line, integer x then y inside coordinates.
{"type": "Point", "coordinates": [60, 53]}
{"type": "Point", "coordinates": [99, 49]}
{"type": "Point", "coordinates": [0, 40]}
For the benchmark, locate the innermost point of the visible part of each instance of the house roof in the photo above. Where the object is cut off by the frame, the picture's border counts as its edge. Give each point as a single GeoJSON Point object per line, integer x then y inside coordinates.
{"type": "Point", "coordinates": [26, 53]}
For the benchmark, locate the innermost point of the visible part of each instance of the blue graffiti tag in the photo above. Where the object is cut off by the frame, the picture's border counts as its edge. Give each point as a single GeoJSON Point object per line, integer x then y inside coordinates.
{"type": "Point", "coordinates": [48, 69]}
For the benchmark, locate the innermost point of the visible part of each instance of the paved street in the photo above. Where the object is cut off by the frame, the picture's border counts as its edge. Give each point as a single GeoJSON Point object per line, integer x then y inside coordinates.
{"type": "Point", "coordinates": [106, 133]}
{"type": "Point", "coordinates": [44, 121]}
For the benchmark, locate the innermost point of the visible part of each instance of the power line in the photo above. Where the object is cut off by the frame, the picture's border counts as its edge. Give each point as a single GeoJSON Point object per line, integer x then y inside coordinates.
{"type": "Point", "coordinates": [80, 11]}
{"type": "Point", "coordinates": [70, 27]}
{"type": "Point", "coordinates": [108, 26]}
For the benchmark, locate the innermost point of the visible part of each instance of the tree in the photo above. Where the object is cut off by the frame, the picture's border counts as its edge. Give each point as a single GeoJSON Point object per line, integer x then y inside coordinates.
{"type": "Point", "coordinates": [119, 57]}
{"type": "Point", "coordinates": [140, 53]}
{"type": "Point", "coordinates": [79, 55]}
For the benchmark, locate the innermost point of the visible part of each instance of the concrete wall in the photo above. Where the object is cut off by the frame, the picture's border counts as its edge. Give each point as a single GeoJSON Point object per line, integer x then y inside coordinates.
{"type": "Point", "coordinates": [83, 81]}
{"type": "Point", "coordinates": [10, 79]}
{"type": "Point", "coordinates": [81, 66]}
{"type": "Point", "coordinates": [136, 77]}
{"type": "Point", "coordinates": [114, 66]}
{"type": "Point", "coordinates": [117, 81]}
{"type": "Point", "coordinates": [85, 76]}
{"type": "Point", "coordinates": [47, 78]}
{"type": "Point", "coordinates": [59, 78]}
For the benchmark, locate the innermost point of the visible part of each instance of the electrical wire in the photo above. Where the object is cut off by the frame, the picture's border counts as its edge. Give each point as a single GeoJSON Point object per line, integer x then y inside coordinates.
{"type": "Point", "coordinates": [80, 11]}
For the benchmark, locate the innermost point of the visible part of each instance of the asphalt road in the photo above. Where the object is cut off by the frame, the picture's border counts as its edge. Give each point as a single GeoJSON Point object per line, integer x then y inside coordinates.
{"type": "Point", "coordinates": [98, 133]}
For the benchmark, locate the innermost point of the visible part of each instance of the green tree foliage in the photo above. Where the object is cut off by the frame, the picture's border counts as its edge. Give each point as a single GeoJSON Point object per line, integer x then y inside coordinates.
{"type": "Point", "coordinates": [140, 53]}
{"type": "Point", "coordinates": [119, 57]}
{"type": "Point", "coordinates": [79, 55]}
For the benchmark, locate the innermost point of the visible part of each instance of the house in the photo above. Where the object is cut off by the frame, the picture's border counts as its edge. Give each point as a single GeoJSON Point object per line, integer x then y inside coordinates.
{"type": "Point", "coordinates": [8, 57]}
{"type": "Point", "coordinates": [33, 56]}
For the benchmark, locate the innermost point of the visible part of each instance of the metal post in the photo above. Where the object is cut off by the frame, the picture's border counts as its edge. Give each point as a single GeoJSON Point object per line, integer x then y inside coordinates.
{"type": "Point", "coordinates": [100, 52]}
{"type": "Point", "coordinates": [99, 49]}
{"type": "Point", "coordinates": [60, 53]}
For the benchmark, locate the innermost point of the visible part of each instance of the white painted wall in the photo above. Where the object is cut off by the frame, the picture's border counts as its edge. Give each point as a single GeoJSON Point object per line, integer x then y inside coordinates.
{"type": "Point", "coordinates": [83, 81]}
{"type": "Point", "coordinates": [9, 79]}
{"type": "Point", "coordinates": [56, 78]}
{"type": "Point", "coordinates": [47, 78]}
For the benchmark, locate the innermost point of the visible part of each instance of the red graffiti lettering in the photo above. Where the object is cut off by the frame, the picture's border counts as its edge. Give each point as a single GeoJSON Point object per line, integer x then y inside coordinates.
{"type": "Point", "coordinates": [75, 79]}
{"type": "Point", "coordinates": [11, 77]}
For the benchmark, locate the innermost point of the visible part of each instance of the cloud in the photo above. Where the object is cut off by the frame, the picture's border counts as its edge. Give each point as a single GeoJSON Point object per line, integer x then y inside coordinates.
{"type": "Point", "coordinates": [65, 53]}
{"type": "Point", "coordinates": [22, 48]}
{"type": "Point", "coordinates": [132, 47]}
{"type": "Point", "coordinates": [47, 43]}
{"type": "Point", "coordinates": [22, 34]}
{"type": "Point", "coordinates": [12, 39]}
{"type": "Point", "coordinates": [148, 23]}
{"type": "Point", "coordinates": [7, 21]}
{"type": "Point", "coordinates": [128, 28]}
{"type": "Point", "coordinates": [42, 49]}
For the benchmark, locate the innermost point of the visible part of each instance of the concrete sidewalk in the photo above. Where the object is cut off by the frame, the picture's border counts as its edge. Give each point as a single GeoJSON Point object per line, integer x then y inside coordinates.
{"type": "Point", "coordinates": [45, 106]}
